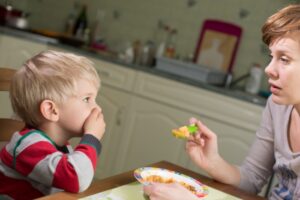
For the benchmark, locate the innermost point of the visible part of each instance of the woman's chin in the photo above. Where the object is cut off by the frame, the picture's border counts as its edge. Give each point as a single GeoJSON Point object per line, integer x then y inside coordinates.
{"type": "Point", "coordinates": [279, 100]}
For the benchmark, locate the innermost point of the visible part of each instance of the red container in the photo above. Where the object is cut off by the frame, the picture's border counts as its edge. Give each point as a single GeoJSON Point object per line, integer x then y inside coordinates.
{"type": "Point", "coordinates": [7, 12]}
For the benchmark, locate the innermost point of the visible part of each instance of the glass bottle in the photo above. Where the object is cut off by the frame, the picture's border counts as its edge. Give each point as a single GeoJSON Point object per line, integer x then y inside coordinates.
{"type": "Point", "coordinates": [81, 23]}
{"type": "Point", "coordinates": [254, 81]}
{"type": "Point", "coordinates": [170, 46]}
{"type": "Point", "coordinates": [161, 44]}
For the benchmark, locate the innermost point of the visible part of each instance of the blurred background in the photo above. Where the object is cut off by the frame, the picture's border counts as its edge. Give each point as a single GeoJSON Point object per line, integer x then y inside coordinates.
{"type": "Point", "coordinates": [118, 24]}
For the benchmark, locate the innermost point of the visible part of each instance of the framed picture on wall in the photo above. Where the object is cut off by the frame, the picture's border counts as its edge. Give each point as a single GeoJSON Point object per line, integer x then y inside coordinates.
{"type": "Point", "coordinates": [217, 45]}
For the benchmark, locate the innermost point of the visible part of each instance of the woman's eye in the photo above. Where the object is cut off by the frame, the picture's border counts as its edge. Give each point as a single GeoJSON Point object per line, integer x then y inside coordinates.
{"type": "Point", "coordinates": [284, 60]}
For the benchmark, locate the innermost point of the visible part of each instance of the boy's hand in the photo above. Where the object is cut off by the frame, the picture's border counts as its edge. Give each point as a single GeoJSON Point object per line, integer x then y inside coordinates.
{"type": "Point", "coordinates": [95, 124]}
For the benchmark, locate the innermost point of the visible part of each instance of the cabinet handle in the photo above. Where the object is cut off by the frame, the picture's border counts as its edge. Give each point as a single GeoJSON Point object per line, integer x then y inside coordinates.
{"type": "Point", "coordinates": [103, 73]}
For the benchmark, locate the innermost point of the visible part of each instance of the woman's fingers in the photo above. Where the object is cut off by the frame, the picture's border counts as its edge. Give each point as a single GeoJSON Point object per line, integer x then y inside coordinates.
{"type": "Point", "coordinates": [148, 189]}
{"type": "Point", "coordinates": [203, 131]}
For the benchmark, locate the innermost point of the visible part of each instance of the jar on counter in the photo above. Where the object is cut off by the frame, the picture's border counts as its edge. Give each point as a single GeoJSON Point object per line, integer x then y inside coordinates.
{"type": "Point", "coordinates": [148, 51]}
{"type": "Point", "coordinates": [254, 80]}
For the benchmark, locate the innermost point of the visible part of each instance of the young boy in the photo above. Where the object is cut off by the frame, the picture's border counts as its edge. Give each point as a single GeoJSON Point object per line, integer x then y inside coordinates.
{"type": "Point", "coordinates": [54, 94]}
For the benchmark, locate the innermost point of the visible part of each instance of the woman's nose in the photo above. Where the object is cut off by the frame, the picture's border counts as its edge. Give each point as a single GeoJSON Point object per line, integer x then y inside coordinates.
{"type": "Point", "coordinates": [270, 70]}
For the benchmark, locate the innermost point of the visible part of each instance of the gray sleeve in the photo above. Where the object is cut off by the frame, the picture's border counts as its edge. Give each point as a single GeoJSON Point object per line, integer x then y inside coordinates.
{"type": "Point", "coordinates": [257, 166]}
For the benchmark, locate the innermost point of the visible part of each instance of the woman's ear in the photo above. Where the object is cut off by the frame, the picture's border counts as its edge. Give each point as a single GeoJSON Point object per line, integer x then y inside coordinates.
{"type": "Point", "coordinates": [49, 110]}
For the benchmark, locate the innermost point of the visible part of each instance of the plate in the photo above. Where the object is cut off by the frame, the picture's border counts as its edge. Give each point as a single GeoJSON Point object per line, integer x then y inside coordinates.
{"type": "Point", "coordinates": [146, 175]}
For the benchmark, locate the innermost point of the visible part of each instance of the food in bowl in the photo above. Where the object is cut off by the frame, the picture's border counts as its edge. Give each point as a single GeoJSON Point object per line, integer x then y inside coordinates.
{"type": "Point", "coordinates": [148, 175]}
{"type": "Point", "coordinates": [159, 179]}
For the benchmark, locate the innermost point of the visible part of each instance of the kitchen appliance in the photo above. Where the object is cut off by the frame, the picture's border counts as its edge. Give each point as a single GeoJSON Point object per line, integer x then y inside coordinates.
{"type": "Point", "coordinates": [7, 12]}
{"type": "Point", "coordinates": [191, 71]}
{"type": "Point", "coordinates": [13, 17]}
{"type": "Point", "coordinates": [18, 22]}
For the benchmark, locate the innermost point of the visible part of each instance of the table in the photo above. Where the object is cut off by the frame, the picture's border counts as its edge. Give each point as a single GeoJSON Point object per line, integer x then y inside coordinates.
{"type": "Point", "coordinates": [127, 177]}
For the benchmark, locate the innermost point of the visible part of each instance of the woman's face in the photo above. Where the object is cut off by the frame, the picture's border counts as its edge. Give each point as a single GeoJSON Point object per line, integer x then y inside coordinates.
{"type": "Point", "coordinates": [283, 70]}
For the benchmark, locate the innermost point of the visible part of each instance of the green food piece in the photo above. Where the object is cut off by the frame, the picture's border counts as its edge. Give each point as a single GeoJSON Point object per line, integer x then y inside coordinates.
{"type": "Point", "coordinates": [192, 128]}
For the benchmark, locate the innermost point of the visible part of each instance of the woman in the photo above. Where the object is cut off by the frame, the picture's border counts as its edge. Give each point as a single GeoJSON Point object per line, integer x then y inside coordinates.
{"type": "Point", "coordinates": [276, 148]}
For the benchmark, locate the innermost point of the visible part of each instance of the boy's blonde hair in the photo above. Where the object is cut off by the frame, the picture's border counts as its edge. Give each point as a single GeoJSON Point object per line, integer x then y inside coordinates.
{"type": "Point", "coordinates": [283, 22]}
{"type": "Point", "coordinates": [49, 75]}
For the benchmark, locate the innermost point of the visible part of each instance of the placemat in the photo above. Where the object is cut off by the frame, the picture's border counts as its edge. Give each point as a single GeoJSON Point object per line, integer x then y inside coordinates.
{"type": "Point", "coordinates": [134, 191]}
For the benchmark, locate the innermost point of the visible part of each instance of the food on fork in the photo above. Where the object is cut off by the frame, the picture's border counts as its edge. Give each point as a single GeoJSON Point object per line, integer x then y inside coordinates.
{"type": "Point", "coordinates": [185, 131]}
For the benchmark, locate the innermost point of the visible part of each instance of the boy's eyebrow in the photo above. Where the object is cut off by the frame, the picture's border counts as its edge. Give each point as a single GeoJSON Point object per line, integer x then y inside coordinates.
{"type": "Point", "coordinates": [89, 93]}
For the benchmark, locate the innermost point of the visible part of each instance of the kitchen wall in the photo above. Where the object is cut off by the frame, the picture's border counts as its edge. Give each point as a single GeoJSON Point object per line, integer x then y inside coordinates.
{"type": "Point", "coordinates": [127, 21]}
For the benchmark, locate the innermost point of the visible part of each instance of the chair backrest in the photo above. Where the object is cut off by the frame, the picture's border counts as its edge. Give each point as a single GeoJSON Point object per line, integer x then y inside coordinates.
{"type": "Point", "coordinates": [7, 125]}
{"type": "Point", "coordinates": [6, 75]}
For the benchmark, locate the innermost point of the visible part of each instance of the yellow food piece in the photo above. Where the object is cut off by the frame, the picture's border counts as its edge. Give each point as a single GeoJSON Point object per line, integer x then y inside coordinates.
{"type": "Point", "coordinates": [181, 132]}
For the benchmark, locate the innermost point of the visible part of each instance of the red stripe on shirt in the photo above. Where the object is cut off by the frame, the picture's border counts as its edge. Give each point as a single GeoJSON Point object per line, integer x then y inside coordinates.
{"type": "Point", "coordinates": [33, 154]}
{"type": "Point", "coordinates": [25, 131]}
{"type": "Point", "coordinates": [65, 176]}
{"type": "Point", "coordinates": [18, 189]}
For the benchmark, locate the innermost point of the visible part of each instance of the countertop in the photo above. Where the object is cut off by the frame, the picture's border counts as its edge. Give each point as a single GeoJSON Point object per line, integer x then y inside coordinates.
{"type": "Point", "coordinates": [37, 37]}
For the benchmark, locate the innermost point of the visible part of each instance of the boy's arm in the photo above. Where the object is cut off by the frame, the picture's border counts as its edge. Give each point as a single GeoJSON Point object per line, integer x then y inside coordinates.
{"type": "Point", "coordinates": [75, 171]}
{"type": "Point", "coordinates": [39, 160]}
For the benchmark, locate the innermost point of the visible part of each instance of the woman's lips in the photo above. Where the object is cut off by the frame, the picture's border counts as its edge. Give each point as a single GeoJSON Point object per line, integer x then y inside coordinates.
{"type": "Point", "coordinates": [274, 89]}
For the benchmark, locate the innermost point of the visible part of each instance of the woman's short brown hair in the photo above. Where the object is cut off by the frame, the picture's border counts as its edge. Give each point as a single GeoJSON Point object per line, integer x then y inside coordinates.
{"type": "Point", "coordinates": [283, 22]}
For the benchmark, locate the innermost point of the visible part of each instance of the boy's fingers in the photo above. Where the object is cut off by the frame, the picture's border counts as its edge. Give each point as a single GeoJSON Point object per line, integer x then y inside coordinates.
{"type": "Point", "coordinates": [95, 113]}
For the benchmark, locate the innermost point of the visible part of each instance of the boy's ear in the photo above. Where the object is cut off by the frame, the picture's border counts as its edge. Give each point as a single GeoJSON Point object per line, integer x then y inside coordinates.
{"type": "Point", "coordinates": [49, 110]}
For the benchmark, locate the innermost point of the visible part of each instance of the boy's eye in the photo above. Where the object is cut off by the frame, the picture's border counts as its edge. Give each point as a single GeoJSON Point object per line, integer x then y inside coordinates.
{"type": "Point", "coordinates": [86, 99]}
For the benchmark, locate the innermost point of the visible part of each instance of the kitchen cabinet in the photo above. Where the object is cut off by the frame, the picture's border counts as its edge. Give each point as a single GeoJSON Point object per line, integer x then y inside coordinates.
{"type": "Point", "coordinates": [115, 105]}
{"type": "Point", "coordinates": [14, 50]}
{"type": "Point", "coordinates": [161, 104]}
{"type": "Point", "coordinates": [147, 135]}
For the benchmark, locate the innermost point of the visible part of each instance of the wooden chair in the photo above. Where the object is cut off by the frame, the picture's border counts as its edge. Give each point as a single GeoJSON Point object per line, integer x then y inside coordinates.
{"type": "Point", "coordinates": [7, 125]}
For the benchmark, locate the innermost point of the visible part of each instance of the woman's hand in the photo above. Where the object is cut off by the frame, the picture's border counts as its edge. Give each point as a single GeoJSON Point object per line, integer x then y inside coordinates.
{"type": "Point", "coordinates": [202, 147]}
{"type": "Point", "coordinates": [174, 191]}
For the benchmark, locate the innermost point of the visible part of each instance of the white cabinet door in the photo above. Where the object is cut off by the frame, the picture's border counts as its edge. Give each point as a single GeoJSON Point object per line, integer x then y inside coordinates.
{"type": "Point", "coordinates": [115, 106]}
{"type": "Point", "coordinates": [15, 51]}
{"type": "Point", "coordinates": [147, 135]}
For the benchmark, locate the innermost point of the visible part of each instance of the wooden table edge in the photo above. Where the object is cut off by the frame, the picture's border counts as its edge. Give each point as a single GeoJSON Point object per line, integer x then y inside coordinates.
{"type": "Point", "coordinates": [127, 177]}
